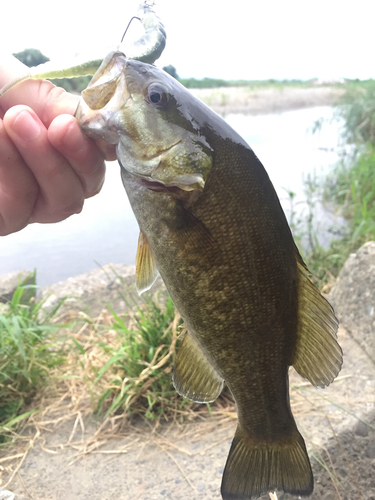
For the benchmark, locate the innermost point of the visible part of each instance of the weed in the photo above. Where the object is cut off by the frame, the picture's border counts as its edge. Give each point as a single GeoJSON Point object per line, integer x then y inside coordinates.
{"type": "Point", "coordinates": [136, 359]}
{"type": "Point", "coordinates": [27, 352]}
{"type": "Point", "coordinates": [357, 108]}
{"type": "Point", "coordinates": [351, 186]}
{"type": "Point", "coordinates": [324, 263]}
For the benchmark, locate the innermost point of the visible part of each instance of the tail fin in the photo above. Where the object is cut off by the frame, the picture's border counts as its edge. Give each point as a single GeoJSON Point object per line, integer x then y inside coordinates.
{"type": "Point", "coordinates": [254, 468]}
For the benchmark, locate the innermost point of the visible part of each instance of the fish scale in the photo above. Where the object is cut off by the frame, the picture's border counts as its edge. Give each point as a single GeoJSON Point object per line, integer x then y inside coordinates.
{"type": "Point", "coordinates": [211, 223]}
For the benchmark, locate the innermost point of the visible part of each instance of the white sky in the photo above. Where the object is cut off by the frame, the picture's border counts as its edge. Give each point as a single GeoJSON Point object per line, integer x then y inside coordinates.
{"type": "Point", "coordinates": [257, 39]}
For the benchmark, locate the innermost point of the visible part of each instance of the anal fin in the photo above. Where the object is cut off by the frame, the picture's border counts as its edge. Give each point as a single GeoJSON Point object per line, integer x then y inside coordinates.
{"type": "Point", "coordinates": [318, 355]}
{"type": "Point", "coordinates": [193, 376]}
{"type": "Point", "coordinates": [145, 271]}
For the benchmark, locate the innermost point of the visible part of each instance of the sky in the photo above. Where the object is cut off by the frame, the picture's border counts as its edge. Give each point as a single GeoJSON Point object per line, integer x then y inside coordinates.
{"type": "Point", "coordinates": [238, 39]}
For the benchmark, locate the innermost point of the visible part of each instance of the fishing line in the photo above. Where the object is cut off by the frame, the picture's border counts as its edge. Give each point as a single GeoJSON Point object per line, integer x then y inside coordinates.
{"type": "Point", "coordinates": [134, 17]}
{"type": "Point", "coordinates": [145, 4]}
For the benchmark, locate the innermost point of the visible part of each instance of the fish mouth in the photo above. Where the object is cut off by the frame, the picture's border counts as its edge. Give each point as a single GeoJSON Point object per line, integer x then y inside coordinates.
{"type": "Point", "coordinates": [104, 97]}
{"type": "Point", "coordinates": [108, 94]}
{"type": "Point", "coordinates": [153, 185]}
{"type": "Point", "coordinates": [159, 187]}
{"type": "Point", "coordinates": [176, 185]}
{"type": "Point", "coordinates": [95, 126]}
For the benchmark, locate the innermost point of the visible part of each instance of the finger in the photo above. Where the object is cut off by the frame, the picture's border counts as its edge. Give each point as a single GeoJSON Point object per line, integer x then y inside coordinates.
{"type": "Point", "coordinates": [108, 150]}
{"type": "Point", "coordinates": [47, 100]}
{"type": "Point", "coordinates": [18, 187]}
{"type": "Point", "coordinates": [61, 192]}
{"type": "Point", "coordinates": [11, 69]}
{"type": "Point", "coordinates": [42, 96]}
{"type": "Point", "coordinates": [84, 157]}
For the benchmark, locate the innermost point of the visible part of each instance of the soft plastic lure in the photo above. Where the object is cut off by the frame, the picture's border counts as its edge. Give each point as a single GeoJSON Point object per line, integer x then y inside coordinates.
{"type": "Point", "coordinates": [151, 45]}
{"type": "Point", "coordinates": [147, 49]}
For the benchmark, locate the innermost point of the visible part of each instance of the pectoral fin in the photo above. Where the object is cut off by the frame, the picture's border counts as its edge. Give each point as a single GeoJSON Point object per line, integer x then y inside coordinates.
{"type": "Point", "coordinates": [193, 233]}
{"type": "Point", "coordinates": [145, 271]}
{"type": "Point", "coordinates": [318, 355]}
{"type": "Point", "coordinates": [194, 377]}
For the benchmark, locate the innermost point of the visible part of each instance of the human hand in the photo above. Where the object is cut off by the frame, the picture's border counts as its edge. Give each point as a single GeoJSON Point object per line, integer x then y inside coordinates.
{"type": "Point", "coordinates": [47, 165]}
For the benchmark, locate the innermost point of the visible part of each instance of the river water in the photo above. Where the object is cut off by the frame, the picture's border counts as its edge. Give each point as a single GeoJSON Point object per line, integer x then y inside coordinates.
{"type": "Point", "coordinates": [107, 232]}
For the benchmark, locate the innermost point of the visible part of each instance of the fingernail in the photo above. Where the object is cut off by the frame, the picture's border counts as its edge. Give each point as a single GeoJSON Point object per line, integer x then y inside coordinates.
{"type": "Point", "coordinates": [73, 138]}
{"type": "Point", "coordinates": [26, 126]}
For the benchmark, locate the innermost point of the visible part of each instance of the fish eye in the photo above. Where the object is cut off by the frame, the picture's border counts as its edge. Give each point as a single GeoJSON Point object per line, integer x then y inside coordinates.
{"type": "Point", "coordinates": [157, 95]}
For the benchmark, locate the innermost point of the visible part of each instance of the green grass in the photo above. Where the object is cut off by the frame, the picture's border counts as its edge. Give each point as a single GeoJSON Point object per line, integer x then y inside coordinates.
{"type": "Point", "coordinates": [27, 353]}
{"type": "Point", "coordinates": [351, 186]}
{"type": "Point", "coordinates": [357, 108]}
{"type": "Point", "coordinates": [124, 363]}
{"type": "Point", "coordinates": [323, 263]}
{"type": "Point", "coordinates": [136, 356]}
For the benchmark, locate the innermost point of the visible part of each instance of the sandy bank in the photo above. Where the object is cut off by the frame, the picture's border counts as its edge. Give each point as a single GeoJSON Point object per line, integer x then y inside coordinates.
{"type": "Point", "coordinates": [226, 100]}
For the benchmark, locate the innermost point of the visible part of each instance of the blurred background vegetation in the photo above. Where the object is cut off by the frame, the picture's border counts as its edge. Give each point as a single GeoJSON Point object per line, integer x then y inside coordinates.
{"type": "Point", "coordinates": [350, 187]}
{"type": "Point", "coordinates": [135, 359]}
{"type": "Point", "coordinates": [33, 57]}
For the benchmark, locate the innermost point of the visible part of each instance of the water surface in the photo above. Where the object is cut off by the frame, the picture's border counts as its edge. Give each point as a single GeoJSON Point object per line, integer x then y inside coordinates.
{"type": "Point", "coordinates": [106, 230]}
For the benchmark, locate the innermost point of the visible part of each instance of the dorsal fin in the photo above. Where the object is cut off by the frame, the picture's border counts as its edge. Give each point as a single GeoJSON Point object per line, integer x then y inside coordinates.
{"type": "Point", "coordinates": [145, 271]}
{"type": "Point", "coordinates": [193, 376]}
{"type": "Point", "coordinates": [318, 355]}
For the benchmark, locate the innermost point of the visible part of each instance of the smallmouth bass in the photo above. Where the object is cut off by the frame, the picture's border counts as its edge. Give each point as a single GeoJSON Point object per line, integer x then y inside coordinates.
{"type": "Point", "coordinates": [212, 225]}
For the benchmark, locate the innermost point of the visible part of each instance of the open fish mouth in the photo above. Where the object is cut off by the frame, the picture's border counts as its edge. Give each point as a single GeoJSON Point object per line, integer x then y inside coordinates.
{"type": "Point", "coordinates": [104, 97]}
{"type": "Point", "coordinates": [127, 104]}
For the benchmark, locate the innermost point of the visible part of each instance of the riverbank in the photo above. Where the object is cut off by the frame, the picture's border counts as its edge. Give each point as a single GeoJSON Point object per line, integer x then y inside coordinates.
{"type": "Point", "coordinates": [225, 100]}
{"type": "Point", "coordinates": [67, 452]}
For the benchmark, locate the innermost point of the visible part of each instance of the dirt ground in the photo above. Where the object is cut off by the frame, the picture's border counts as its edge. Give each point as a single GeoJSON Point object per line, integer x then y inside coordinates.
{"type": "Point", "coordinates": [186, 461]}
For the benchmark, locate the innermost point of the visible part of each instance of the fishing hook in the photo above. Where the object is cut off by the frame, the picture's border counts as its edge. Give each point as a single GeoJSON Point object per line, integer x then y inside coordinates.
{"type": "Point", "coordinates": [134, 17]}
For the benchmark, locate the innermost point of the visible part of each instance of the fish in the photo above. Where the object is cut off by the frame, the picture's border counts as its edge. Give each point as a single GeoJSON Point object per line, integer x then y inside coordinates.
{"type": "Point", "coordinates": [212, 225]}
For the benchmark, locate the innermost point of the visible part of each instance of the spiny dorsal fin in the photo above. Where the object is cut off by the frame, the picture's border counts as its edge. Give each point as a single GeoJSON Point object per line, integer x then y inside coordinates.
{"type": "Point", "coordinates": [318, 355]}
{"type": "Point", "coordinates": [145, 271]}
{"type": "Point", "coordinates": [193, 376]}
{"type": "Point", "coordinates": [254, 467]}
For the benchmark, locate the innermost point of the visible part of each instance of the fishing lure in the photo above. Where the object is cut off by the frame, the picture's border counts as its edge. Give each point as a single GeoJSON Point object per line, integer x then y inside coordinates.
{"type": "Point", "coordinates": [147, 49]}
{"type": "Point", "coordinates": [151, 45]}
